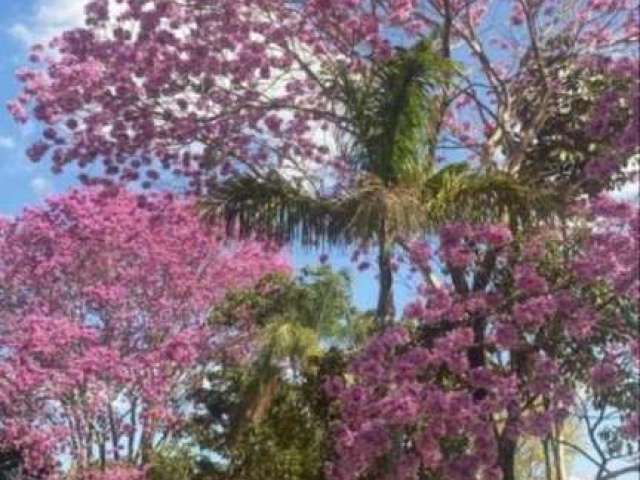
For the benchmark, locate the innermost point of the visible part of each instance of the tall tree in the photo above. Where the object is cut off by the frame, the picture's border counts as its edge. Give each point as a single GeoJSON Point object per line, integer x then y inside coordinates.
{"type": "Point", "coordinates": [140, 86]}
{"type": "Point", "coordinates": [252, 403]}
{"type": "Point", "coordinates": [103, 327]}
{"type": "Point", "coordinates": [449, 393]}
{"type": "Point", "coordinates": [391, 110]}
{"type": "Point", "coordinates": [290, 86]}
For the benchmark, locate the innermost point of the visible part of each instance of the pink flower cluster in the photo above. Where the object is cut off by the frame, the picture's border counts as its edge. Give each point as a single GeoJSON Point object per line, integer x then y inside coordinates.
{"type": "Point", "coordinates": [114, 472]}
{"type": "Point", "coordinates": [141, 91]}
{"type": "Point", "coordinates": [104, 304]}
{"type": "Point", "coordinates": [445, 395]}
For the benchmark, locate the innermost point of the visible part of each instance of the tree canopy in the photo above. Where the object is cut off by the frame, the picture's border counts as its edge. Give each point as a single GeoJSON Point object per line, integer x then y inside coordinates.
{"type": "Point", "coordinates": [104, 306]}
{"type": "Point", "coordinates": [475, 144]}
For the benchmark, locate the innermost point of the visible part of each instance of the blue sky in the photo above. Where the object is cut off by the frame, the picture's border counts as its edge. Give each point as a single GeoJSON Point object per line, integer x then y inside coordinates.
{"type": "Point", "coordinates": [22, 183]}
{"type": "Point", "coordinates": [22, 23]}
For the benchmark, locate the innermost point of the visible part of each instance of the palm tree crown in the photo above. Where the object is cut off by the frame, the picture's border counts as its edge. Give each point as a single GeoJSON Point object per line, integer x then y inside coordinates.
{"type": "Point", "coordinates": [392, 111]}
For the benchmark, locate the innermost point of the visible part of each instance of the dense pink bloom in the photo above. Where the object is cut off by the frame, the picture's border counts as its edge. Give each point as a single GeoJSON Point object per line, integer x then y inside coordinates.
{"type": "Point", "coordinates": [104, 306]}
{"type": "Point", "coordinates": [534, 311]}
{"type": "Point", "coordinates": [631, 428]}
{"type": "Point", "coordinates": [495, 235]}
{"type": "Point", "coordinates": [420, 254]}
{"type": "Point", "coordinates": [115, 472]}
{"type": "Point", "coordinates": [529, 281]}
{"type": "Point", "coordinates": [424, 387]}
{"type": "Point", "coordinates": [100, 88]}
{"type": "Point", "coordinates": [604, 375]}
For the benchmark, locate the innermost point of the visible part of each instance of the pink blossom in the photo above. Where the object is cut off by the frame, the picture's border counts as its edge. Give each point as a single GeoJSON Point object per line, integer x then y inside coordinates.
{"type": "Point", "coordinates": [105, 302]}
{"type": "Point", "coordinates": [529, 281]}
{"type": "Point", "coordinates": [604, 375]}
{"type": "Point", "coordinates": [495, 235]}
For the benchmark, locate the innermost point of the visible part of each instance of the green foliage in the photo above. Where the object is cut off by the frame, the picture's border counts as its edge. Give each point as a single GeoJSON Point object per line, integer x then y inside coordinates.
{"type": "Point", "coordinates": [292, 441]}
{"type": "Point", "coordinates": [290, 311]}
{"type": "Point", "coordinates": [268, 418]}
{"type": "Point", "coordinates": [530, 457]}
{"type": "Point", "coordinates": [288, 444]}
{"type": "Point", "coordinates": [393, 111]}
{"type": "Point", "coordinates": [273, 206]}
{"type": "Point", "coordinates": [173, 463]}
{"type": "Point", "coordinates": [564, 142]}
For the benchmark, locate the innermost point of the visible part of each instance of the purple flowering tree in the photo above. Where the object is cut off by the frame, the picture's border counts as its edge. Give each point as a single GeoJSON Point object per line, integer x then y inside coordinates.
{"type": "Point", "coordinates": [518, 312]}
{"type": "Point", "coordinates": [497, 351]}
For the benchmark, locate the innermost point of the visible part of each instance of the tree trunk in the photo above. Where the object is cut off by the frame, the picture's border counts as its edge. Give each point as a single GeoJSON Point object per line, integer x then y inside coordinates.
{"type": "Point", "coordinates": [508, 445]}
{"type": "Point", "coordinates": [132, 433]}
{"type": "Point", "coordinates": [146, 443]}
{"type": "Point", "coordinates": [385, 312]}
{"type": "Point", "coordinates": [507, 457]}
{"type": "Point", "coordinates": [115, 437]}
{"type": "Point", "coordinates": [558, 453]}
{"type": "Point", "coordinates": [547, 459]}
{"type": "Point", "coordinates": [102, 448]}
{"type": "Point", "coordinates": [476, 354]}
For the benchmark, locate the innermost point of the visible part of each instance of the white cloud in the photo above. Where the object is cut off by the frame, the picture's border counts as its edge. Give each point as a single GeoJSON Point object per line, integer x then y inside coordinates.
{"type": "Point", "coordinates": [41, 186]}
{"type": "Point", "coordinates": [7, 143]}
{"type": "Point", "coordinates": [22, 33]}
{"type": "Point", "coordinates": [50, 18]}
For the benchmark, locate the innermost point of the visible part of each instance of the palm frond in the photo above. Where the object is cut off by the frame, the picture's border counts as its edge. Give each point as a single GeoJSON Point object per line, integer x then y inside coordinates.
{"type": "Point", "coordinates": [278, 209]}
{"type": "Point", "coordinates": [405, 106]}
{"type": "Point", "coordinates": [458, 192]}
{"type": "Point", "coordinates": [274, 207]}
{"type": "Point", "coordinates": [392, 108]}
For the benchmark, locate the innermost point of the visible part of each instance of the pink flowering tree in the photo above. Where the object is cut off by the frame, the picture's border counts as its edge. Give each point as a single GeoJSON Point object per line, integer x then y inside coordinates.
{"type": "Point", "coordinates": [287, 100]}
{"type": "Point", "coordinates": [497, 350]}
{"type": "Point", "coordinates": [103, 305]}
{"type": "Point", "coordinates": [204, 89]}
{"type": "Point", "coordinates": [545, 91]}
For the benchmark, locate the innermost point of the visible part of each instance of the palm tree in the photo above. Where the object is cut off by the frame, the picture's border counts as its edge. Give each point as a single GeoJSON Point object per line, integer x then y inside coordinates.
{"type": "Point", "coordinates": [303, 325]}
{"type": "Point", "coordinates": [298, 322]}
{"type": "Point", "coordinates": [392, 119]}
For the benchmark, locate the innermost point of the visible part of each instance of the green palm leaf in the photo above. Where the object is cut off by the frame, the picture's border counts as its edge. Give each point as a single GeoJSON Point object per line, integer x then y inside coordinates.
{"type": "Point", "coordinates": [276, 208]}
{"type": "Point", "coordinates": [392, 109]}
